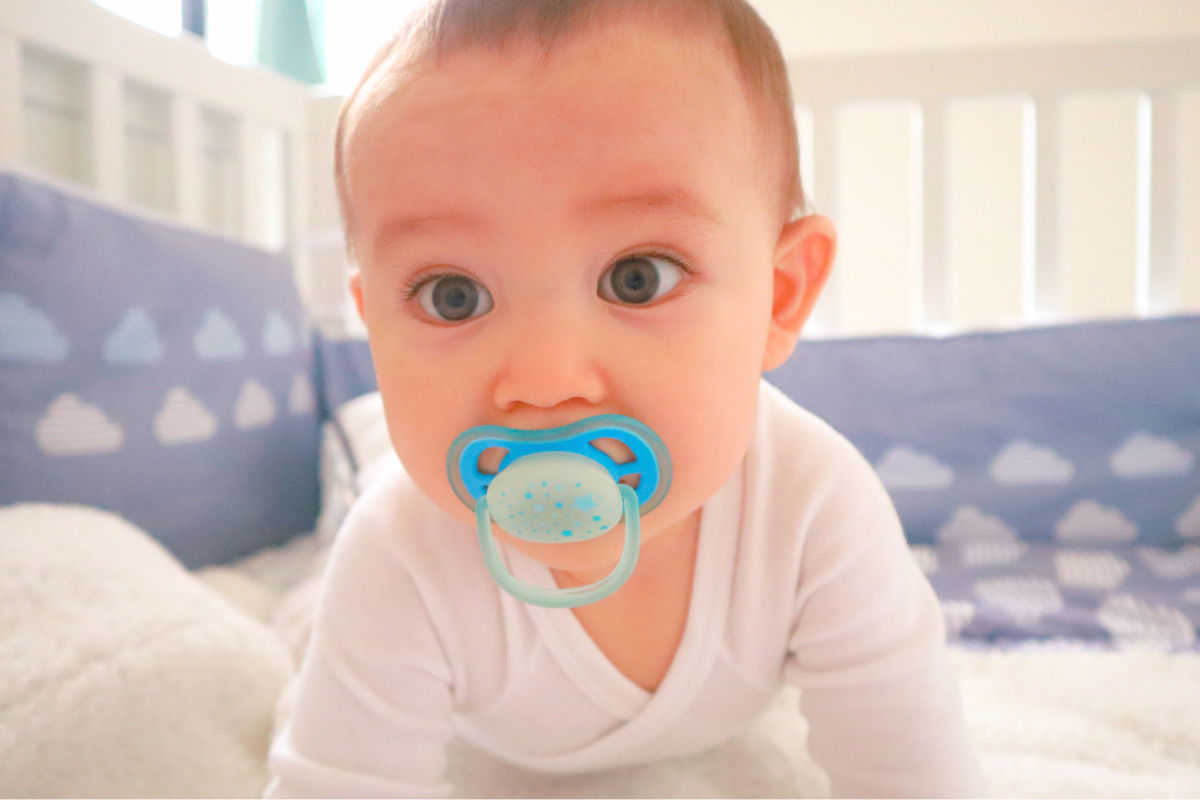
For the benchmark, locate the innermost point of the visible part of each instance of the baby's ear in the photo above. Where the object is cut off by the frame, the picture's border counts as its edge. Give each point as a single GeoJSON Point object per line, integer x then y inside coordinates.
{"type": "Point", "coordinates": [356, 292]}
{"type": "Point", "coordinates": [803, 258]}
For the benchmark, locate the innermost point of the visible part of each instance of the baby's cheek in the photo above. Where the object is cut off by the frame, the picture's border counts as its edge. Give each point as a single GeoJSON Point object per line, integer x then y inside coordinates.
{"type": "Point", "coordinates": [424, 459]}
{"type": "Point", "coordinates": [707, 444]}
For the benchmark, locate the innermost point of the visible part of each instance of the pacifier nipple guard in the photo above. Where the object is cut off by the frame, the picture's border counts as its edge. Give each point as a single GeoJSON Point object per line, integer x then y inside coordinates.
{"type": "Point", "coordinates": [556, 486]}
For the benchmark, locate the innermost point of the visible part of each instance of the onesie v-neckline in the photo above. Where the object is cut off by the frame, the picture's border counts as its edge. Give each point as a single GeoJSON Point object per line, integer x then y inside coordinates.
{"type": "Point", "coordinates": [591, 671]}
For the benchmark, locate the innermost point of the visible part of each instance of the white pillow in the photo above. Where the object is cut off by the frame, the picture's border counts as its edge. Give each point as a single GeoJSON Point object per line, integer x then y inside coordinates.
{"type": "Point", "coordinates": [121, 674]}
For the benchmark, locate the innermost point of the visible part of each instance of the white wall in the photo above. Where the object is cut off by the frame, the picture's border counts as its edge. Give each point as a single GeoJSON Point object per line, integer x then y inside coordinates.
{"type": "Point", "coordinates": [843, 27]}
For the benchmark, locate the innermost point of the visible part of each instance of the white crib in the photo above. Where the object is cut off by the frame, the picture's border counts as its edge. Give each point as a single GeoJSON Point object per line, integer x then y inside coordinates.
{"type": "Point", "coordinates": [973, 187]}
{"type": "Point", "coordinates": [993, 187]}
{"type": "Point", "coordinates": [139, 118]}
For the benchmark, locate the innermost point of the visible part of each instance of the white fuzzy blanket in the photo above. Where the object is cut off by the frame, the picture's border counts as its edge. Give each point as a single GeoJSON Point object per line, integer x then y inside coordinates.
{"type": "Point", "coordinates": [121, 675]}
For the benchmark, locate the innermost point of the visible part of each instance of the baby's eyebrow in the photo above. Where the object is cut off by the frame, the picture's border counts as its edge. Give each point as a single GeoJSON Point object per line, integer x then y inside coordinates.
{"type": "Point", "coordinates": [674, 200]}
{"type": "Point", "coordinates": [404, 227]}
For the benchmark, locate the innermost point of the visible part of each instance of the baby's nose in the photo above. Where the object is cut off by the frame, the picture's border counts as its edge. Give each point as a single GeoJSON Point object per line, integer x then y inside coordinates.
{"type": "Point", "coordinates": [550, 358]}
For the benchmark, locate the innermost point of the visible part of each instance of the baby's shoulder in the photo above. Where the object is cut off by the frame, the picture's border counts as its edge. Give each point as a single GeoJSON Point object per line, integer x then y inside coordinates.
{"type": "Point", "coordinates": [801, 448]}
{"type": "Point", "coordinates": [394, 526]}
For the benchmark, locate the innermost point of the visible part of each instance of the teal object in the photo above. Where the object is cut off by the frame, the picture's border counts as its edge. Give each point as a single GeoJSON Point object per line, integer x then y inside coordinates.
{"type": "Point", "coordinates": [555, 486]}
{"type": "Point", "coordinates": [285, 40]}
{"type": "Point", "coordinates": [575, 595]}
{"type": "Point", "coordinates": [555, 497]}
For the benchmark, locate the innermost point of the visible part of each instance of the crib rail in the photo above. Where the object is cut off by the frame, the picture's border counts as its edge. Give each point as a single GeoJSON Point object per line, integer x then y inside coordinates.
{"type": "Point", "coordinates": [155, 122]}
{"type": "Point", "coordinates": [986, 188]}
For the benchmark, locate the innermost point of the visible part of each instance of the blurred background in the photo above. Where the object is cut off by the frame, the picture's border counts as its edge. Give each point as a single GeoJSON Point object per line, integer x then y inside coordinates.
{"type": "Point", "coordinates": [989, 163]}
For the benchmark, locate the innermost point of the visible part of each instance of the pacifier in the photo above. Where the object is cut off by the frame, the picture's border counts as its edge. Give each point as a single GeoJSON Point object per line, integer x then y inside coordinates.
{"type": "Point", "coordinates": [554, 486]}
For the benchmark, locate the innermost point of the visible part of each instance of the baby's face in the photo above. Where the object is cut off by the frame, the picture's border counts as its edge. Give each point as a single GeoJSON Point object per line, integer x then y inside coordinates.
{"type": "Point", "coordinates": [545, 240]}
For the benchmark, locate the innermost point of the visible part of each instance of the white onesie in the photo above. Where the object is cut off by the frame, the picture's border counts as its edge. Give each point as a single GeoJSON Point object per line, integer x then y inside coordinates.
{"type": "Point", "coordinates": [802, 575]}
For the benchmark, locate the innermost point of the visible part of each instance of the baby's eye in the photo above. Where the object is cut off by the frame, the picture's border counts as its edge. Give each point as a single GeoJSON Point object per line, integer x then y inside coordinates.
{"type": "Point", "coordinates": [637, 280]}
{"type": "Point", "coordinates": [453, 298]}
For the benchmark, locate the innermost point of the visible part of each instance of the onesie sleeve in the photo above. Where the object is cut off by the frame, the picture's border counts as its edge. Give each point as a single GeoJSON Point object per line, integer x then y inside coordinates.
{"type": "Point", "coordinates": [373, 696]}
{"type": "Point", "coordinates": [867, 651]}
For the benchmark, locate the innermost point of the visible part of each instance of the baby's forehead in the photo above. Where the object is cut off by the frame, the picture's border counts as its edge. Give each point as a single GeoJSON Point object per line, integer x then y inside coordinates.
{"type": "Point", "coordinates": [425, 77]}
{"type": "Point", "coordinates": [482, 68]}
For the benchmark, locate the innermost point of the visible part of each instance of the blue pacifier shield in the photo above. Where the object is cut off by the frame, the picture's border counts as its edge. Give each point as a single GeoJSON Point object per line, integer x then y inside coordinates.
{"type": "Point", "coordinates": [557, 486]}
{"type": "Point", "coordinates": [651, 462]}
{"type": "Point", "coordinates": [554, 497]}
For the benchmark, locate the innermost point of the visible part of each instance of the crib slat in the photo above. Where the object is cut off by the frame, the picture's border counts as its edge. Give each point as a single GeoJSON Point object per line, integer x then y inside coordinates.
{"type": "Point", "coordinates": [251, 149]}
{"type": "Point", "coordinates": [805, 123]}
{"type": "Point", "coordinates": [989, 220]}
{"type": "Point", "coordinates": [821, 317]}
{"type": "Point", "coordinates": [935, 275]}
{"type": "Point", "coordinates": [822, 196]}
{"type": "Point", "coordinates": [1164, 191]}
{"type": "Point", "coordinates": [11, 146]}
{"type": "Point", "coordinates": [1047, 283]}
{"type": "Point", "coordinates": [107, 141]}
{"type": "Point", "coordinates": [273, 174]}
{"type": "Point", "coordinates": [319, 233]}
{"type": "Point", "coordinates": [1188, 198]}
{"type": "Point", "coordinates": [1103, 246]}
{"type": "Point", "coordinates": [298, 193]}
{"type": "Point", "coordinates": [55, 109]}
{"type": "Point", "coordinates": [185, 139]}
{"type": "Point", "coordinates": [221, 172]}
{"type": "Point", "coordinates": [879, 210]}
{"type": "Point", "coordinates": [148, 150]}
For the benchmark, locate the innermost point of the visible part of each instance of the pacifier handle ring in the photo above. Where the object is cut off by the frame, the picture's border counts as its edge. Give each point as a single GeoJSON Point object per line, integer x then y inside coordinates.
{"type": "Point", "coordinates": [574, 596]}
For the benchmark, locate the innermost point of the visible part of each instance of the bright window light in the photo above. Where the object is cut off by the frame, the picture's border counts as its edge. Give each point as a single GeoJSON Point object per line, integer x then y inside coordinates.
{"type": "Point", "coordinates": [231, 30]}
{"type": "Point", "coordinates": [354, 30]}
{"type": "Point", "coordinates": [160, 15]}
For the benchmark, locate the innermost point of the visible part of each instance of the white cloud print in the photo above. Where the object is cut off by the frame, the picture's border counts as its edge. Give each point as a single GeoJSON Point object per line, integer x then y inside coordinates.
{"type": "Point", "coordinates": [183, 419]}
{"type": "Point", "coordinates": [991, 551]}
{"type": "Point", "coordinates": [902, 468]}
{"type": "Point", "coordinates": [72, 427]}
{"type": "Point", "coordinates": [1024, 599]}
{"type": "Point", "coordinates": [1188, 524]}
{"type": "Point", "coordinates": [1172, 566]}
{"type": "Point", "coordinates": [255, 407]}
{"type": "Point", "coordinates": [1143, 455]}
{"type": "Point", "coordinates": [27, 334]}
{"type": "Point", "coordinates": [958, 615]}
{"type": "Point", "coordinates": [925, 557]}
{"type": "Point", "coordinates": [1085, 569]}
{"type": "Point", "coordinates": [1133, 623]}
{"type": "Point", "coordinates": [277, 334]}
{"type": "Point", "coordinates": [218, 338]}
{"type": "Point", "coordinates": [1088, 521]}
{"type": "Point", "coordinates": [969, 524]}
{"type": "Point", "coordinates": [134, 340]}
{"type": "Point", "coordinates": [301, 400]}
{"type": "Point", "coordinates": [1023, 463]}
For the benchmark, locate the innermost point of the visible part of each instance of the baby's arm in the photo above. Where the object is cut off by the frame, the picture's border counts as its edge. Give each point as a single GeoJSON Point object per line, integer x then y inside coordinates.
{"type": "Point", "coordinates": [372, 715]}
{"type": "Point", "coordinates": [867, 653]}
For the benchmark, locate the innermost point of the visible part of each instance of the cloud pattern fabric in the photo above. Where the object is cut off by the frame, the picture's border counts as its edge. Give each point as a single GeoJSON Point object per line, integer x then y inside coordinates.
{"type": "Point", "coordinates": [1047, 478]}
{"type": "Point", "coordinates": [1116, 596]}
{"type": "Point", "coordinates": [1076, 434]}
{"type": "Point", "coordinates": [152, 371]}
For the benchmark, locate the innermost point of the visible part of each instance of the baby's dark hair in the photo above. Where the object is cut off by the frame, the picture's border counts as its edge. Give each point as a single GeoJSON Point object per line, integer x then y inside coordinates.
{"type": "Point", "coordinates": [444, 27]}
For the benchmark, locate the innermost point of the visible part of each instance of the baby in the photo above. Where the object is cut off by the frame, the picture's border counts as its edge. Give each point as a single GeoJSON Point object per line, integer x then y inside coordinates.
{"type": "Point", "coordinates": [569, 208]}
